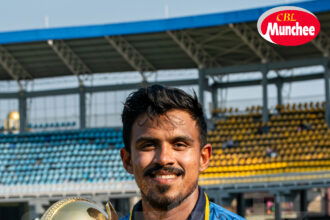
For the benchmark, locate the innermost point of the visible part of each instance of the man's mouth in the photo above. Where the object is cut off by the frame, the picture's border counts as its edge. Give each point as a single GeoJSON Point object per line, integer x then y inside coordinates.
{"type": "Point", "coordinates": [164, 178]}
{"type": "Point", "coordinates": [164, 174]}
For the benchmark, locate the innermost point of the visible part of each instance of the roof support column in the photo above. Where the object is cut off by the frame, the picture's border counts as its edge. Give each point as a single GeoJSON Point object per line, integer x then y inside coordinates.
{"type": "Point", "coordinates": [82, 107]}
{"type": "Point", "coordinates": [327, 91]}
{"type": "Point", "coordinates": [279, 87]}
{"type": "Point", "coordinates": [219, 197]}
{"type": "Point", "coordinates": [303, 204]}
{"type": "Point", "coordinates": [202, 86]}
{"type": "Point", "coordinates": [240, 204]}
{"type": "Point", "coordinates": [264, 84]}
{"type": "Point", "coordinates": [214, 91]}
{"type": "Point", "coordinates": [327, 201]}
{"type": "Point", "coordinates": [36, 208]}
{"type": "Point", "coordinates": [22, 111]}
{"type": "Point", "coordinates": [278, 210]}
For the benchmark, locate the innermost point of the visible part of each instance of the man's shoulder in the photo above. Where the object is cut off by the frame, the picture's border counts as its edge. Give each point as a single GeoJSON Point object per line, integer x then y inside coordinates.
{"type": "Point", "coordinates": [218, 212]}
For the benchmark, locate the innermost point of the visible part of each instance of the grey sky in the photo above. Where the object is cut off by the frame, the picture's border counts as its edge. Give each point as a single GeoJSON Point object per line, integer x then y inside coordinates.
{"type": "Point", "coordinates": [19, 14]}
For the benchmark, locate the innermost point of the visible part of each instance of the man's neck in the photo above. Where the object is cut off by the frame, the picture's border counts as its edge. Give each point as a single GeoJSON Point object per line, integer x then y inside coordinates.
{"type": "Point", "coordinates": [182, 211]}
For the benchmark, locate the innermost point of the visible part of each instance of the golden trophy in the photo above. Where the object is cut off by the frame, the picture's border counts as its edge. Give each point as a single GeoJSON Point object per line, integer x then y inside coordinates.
{"type": "Point", "coordinates": [76, 208]}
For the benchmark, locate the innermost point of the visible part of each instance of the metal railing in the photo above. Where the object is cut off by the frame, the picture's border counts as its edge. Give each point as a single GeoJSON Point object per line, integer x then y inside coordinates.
{"type": "Point", "coordinates": [65, 189]}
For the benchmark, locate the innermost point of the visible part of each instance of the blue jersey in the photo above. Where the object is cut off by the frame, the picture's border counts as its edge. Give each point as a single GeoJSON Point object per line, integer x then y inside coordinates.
{"type": "Point", "coordinates": [203, 210]}
{"type": "Point", "coordinates": [219, 213]}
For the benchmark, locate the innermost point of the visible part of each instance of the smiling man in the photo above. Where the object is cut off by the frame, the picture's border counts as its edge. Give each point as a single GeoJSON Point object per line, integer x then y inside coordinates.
{"type": "Point", "coordinates": [164, 132]}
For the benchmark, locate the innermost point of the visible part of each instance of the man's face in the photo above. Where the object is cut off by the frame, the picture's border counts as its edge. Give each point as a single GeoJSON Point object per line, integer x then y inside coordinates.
{"type": "Point", "coordinates": [166, 157]}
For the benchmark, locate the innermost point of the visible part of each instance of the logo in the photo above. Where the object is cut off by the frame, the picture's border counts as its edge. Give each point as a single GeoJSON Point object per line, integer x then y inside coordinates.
{"type": "Point", "coordinates": [288, 26]}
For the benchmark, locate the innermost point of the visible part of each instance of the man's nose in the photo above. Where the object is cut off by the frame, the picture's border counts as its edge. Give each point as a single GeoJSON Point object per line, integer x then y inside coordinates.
{"type": "Point", "coordinates": [164, 155]}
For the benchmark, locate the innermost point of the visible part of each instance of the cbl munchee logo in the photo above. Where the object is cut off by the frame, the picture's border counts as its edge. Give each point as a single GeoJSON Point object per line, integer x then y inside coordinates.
{"type": "Point", "coordinates": [288, 26]}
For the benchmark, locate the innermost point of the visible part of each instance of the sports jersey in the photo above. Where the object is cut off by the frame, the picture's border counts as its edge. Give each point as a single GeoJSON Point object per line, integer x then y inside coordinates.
{"type": "Point", "coordinates": [203, 210]}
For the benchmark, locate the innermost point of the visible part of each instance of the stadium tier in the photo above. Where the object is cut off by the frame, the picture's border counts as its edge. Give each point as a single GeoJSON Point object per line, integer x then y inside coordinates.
{"type": "Point", "coordinates": [295, 140]}
{"type": "Point", "coordinates": [90, 155]}
{"type": "Point", "coordinates": [53, 125]}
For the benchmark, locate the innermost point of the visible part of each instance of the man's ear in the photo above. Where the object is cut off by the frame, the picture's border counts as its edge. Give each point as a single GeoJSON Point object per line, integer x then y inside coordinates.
{"type": "Point", "coordinates": [126, 159]}
{"type": "Point", "coordinates": [205, 157]}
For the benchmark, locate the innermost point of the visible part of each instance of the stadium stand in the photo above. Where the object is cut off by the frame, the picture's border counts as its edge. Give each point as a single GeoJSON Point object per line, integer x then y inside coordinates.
{"type": "Point", "coordinates": [52, 126]}
{"type": "Point", "coordinates": [61, 157]}
{"type": "Point", "coordinates": [293, 146]}
{"type": "Point", "coordinates": [296, 139]}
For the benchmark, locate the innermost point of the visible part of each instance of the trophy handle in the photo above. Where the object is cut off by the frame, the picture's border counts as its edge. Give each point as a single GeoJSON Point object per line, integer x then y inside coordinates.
{"type": "Point", "coordinates": [111, 212]}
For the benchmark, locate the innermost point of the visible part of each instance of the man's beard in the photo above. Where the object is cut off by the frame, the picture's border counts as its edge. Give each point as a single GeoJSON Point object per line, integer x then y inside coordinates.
{"type": "Point", "coordinates": [164, 203]}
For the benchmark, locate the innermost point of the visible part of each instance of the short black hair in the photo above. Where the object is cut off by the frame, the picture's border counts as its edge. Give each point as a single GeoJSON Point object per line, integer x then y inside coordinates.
{"type": "Point", "coordinates": [156, 100]}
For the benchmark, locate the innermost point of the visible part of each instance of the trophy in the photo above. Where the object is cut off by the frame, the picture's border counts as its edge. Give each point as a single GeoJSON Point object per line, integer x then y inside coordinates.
{"type": "Point", "coordinates": [76, 208]}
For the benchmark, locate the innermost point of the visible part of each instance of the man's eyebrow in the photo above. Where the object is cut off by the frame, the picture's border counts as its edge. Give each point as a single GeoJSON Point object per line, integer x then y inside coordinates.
{"type": "Point", "coordinates": [183, 138]}
{"type": "Point", "coordinates": [146, 139]}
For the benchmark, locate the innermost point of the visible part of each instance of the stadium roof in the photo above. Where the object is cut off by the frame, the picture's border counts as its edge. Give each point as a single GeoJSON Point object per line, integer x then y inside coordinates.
{"type": "Point", "coordinates": [203, 41]}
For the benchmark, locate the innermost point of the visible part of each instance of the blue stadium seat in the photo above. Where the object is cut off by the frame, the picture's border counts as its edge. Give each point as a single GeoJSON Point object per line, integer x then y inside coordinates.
{"type": "Point", "coordinates": [59, 156]}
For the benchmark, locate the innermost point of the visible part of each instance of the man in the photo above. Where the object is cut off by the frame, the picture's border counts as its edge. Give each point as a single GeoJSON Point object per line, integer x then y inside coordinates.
{"type": "Point", "coordinates": [164, 132]}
